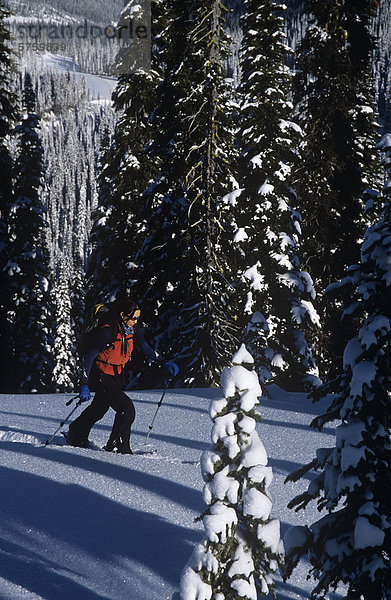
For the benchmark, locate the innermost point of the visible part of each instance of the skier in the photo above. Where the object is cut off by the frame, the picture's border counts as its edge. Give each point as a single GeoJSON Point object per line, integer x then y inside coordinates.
{"type": "Point", "coordinates": [104, 361]}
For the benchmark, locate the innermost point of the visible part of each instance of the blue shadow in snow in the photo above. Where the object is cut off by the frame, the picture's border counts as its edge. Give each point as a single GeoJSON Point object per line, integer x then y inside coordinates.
{"type": "Point", "coordinates": [285, 467]}
{"type": "Point", "coordinates": [171, 490]}
{"type": "Point", "coordinates": [72, 517]}
{"type": "Point", "coordinates": [166, 402]}
{"type": "Point", "coordinates": [31, 417]}
{"type": "Point", "coordinates": [177, 441]}
{"type": "Point", "coordinates": [304, 427]}
{"type": "Point", "coordinates": [294, 401]}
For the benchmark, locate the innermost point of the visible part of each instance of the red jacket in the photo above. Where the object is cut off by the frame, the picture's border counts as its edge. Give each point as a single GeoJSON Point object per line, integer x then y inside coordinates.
{"type": "Point", "coordinates": [113, 359]}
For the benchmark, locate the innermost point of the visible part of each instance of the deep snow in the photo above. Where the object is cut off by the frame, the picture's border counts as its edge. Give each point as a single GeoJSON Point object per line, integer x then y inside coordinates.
{"type": "Point", "coordinates": [86, 525]}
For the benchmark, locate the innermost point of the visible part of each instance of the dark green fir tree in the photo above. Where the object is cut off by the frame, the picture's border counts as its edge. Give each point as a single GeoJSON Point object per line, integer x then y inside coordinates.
{"type": "Point", "coordinates": [335, 109]}
{"type": "Point", "coordinates": [160, 259]}
{"type": "Point", "coordinates": [351, 543]}
{"type": "Point", "coordinates": [191, 296]}
{"type": "Point", "coordinates": [120, 219]}
{"type": "Point", "coordinates": [28, 264]}
{"type": "Point", "coordinates": [8, 116]}
{"type": "Point", "coordinates": [267, 224]}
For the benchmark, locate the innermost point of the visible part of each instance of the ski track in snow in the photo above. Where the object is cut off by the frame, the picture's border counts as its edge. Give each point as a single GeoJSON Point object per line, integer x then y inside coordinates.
{"type": "Point", "coordinates": [15, 436]}
{"type": "Point", "coordinates": [82, 524]}
{"type": "Point", "coordinates": [23, 438]}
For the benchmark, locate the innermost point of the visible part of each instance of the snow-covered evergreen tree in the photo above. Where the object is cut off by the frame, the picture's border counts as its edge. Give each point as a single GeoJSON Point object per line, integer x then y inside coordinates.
{"type": "Point", "coordinates": [242, 548]}
{"type": "Point", "coordinates": [267, 226]}
{"type": "Point", "coordinates": [334, 107]}
{"type": "Point", "coordinates": [188, 246]}
{"type": "Point", "coordinates": [351, 544]}
{"type": "Point", "coordinates": [365, 122]}
{"type": "Point", "coordinates": [78, 313]}
{"type": "Point", "coordinates": [7, 118]}
{"type": "Point", "coordinates": [72, 142]}
{"type": "Point", "coordinates": [160, 257]}
{"type": "Point", "coordinates": [64, 343]}
{"type": "Point", "coordinates": [28, 264]}
{"type": "Point", "coordinates": [121, 216]}
{"type": "Point", "coordinates": [332, 62]}
{"type": "Point", "coordinates": [255, 339]}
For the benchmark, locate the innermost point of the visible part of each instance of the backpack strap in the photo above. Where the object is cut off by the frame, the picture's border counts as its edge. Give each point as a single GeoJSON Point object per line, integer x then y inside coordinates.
{"type": "Point", "coordinates": [114, 330]}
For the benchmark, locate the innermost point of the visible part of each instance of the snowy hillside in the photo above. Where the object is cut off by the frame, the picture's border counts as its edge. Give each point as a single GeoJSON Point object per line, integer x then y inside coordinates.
{"type": "Point", "coordinates": [98, 11]}
{"type": "Point", "coordinates": [87, 525]}
{"type": "Point", "coordinates": [83, 32]}
{"type": "Point", "coordinates": [97, 86]}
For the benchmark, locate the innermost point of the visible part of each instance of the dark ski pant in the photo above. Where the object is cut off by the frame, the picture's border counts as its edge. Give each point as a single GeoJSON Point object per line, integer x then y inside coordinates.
{"type": "Point", "coordinates": [109, 393]}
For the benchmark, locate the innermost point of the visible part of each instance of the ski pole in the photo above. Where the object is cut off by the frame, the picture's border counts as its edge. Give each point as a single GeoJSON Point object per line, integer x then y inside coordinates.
{"type": "Point", "coordinates": [65, 420]}
{"type": "Point", "coordinates": [157, 410]}
{"type": "Point", "coordinates": [71, 400]}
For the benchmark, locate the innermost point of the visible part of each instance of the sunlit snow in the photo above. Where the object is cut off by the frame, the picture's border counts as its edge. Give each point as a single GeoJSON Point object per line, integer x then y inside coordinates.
{"type": "Point", "coordinates": [86, 524]}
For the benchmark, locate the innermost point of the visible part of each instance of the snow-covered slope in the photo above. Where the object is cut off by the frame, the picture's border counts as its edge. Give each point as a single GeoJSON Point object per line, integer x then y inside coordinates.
{"type": "Point", "coordinates": [86, 525]}
{"type": "Point", "coordinates": [98, 86]}
{"type": "Point", "coordinates": [80, 33]}
{"type": "Point", "coordinates": [98, 11]}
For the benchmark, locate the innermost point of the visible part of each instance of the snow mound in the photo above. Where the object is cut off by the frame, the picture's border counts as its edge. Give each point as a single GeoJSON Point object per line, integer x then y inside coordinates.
{"type": "Point", "coordinates": [16, 436]}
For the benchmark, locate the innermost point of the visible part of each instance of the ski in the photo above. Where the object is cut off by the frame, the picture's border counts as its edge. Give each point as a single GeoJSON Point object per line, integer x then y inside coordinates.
{"type": "Point", "coordinates": [144, 451]}
{"type": "Point", "coordinates": [93, 446]}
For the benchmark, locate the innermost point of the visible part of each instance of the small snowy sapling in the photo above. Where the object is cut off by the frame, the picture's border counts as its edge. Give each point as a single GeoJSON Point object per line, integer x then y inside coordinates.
{"type": "Point", "coordinates": [242, 547]}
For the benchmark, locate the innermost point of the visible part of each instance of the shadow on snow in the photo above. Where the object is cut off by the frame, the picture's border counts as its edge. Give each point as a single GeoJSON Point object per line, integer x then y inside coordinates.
{"type": "Point", "coordinates": [84, 522]}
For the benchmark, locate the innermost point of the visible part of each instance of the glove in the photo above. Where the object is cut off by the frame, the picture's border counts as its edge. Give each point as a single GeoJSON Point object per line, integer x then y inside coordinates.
{"type": "Point", "coordinates": [85, 394]}
{"type": "Point", "coordinates": [171, 368]}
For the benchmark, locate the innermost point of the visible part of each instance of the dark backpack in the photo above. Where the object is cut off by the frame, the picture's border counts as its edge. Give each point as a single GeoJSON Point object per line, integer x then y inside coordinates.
{"type": "Point", "coordinates": [99, 316]}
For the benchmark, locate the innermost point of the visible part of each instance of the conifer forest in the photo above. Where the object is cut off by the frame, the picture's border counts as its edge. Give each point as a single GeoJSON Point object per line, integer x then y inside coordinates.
{"type": "Point", "coordinates": [228, 187]}
{"type": "Point", "coordinates": [237, 183]}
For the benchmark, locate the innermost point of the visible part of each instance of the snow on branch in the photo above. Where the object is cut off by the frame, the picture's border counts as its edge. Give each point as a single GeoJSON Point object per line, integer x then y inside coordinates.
{"type": "Point", "coordinates": [242, 548]}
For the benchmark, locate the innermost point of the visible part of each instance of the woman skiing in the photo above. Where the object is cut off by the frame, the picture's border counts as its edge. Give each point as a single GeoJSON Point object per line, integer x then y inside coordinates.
{"type": "Point", "coordinates": [108, 348]}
